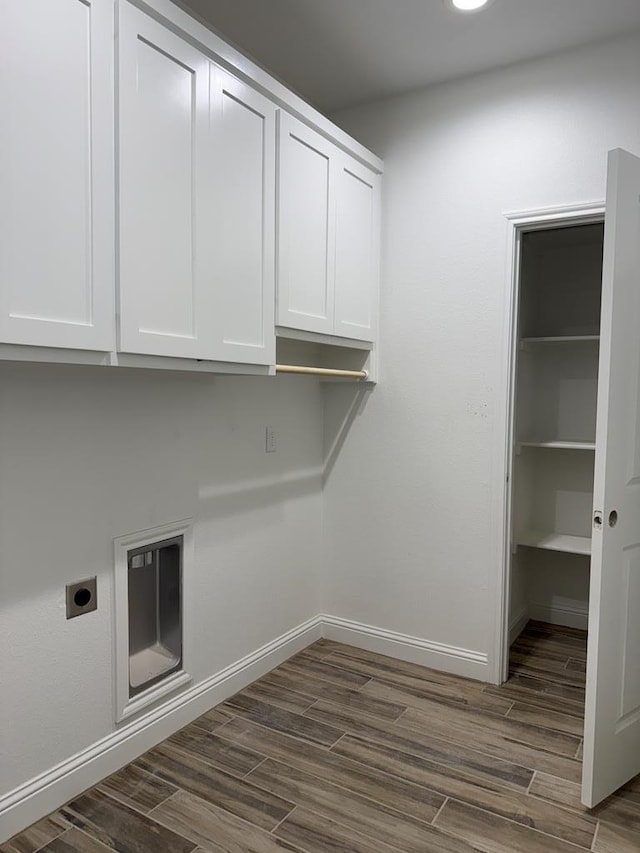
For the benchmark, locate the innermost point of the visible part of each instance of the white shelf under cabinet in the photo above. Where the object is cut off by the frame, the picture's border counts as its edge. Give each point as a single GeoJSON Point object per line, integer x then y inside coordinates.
{"type": "Point", "coordinates": [556, 542]}
{"type": "Point", "coordinates": [560, 445]}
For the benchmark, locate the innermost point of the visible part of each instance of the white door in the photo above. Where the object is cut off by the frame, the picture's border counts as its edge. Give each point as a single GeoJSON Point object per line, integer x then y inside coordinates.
{"type": "Point", "coordinates": [56, 174]}
{"type": "Point", "coordinates": [241, 222]}
{"type": "Point", "coordinates": [163, 116]}
{"type": "Point", "coordinates": [357, 250]}
{"type": "Point", "coordinates": [306, 228]}
{"type": "Point", "coordinates": [612, 714]}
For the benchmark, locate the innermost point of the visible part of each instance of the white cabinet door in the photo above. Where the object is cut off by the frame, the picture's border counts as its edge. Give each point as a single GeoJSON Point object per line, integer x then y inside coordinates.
{"type": "Point", "coordinates": [612, 713]}
{"type": "Point", "coordinates": [56, 173]}
{"type": "Point", "coordinates": [241, 222]}
{"type": "Point", "coordinates": [357, 250]}
{"type": "Point", "coordinates": [163, 137]}
{"type": "Point", "coordinates": [306, 228]}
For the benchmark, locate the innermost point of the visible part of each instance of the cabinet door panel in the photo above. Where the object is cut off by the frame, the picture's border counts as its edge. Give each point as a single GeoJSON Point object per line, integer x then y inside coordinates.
{"type": "Point", "coordinates": [357, 242]}
{"type": "Point", "coordinates": [241, 238]}
{"type": "Point", "coordinates": [56, 174]}
{"type": "Point", "coordinates": [306, 241]}
{"type": "Point", "coordinates": [163, 125]}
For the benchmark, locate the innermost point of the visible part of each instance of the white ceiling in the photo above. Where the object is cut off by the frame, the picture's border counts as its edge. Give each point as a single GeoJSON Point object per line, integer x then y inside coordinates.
{"type": "Point", "coordinates": [336, 53]}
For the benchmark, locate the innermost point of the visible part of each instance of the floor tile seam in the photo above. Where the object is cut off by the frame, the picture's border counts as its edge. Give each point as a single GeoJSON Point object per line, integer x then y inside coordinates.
{"type": "Point", "coordinates": [620, 824]}
{"type": "Point", "coordinates": [286, 733]}
{"type": "Point", "coordinates": [206, 760]}
{"type": "Point", "coordinates": [358, 831]}
{"type": "Point", "coordinates": [435, 697]}
{"type": "Point", "coordinates": [342, 702]}
{"type": "Point", "coordinates": [563, 642]}
{"type": "Point", "coordinates": [356, 794]}
{"type": "Point", "coordinates": [595, 836]}
{"type": "Point", "coordinates": [578, 749]}
{"type": "Point", "coordinates": [375, 739]}
{"type": "Point", "coordinates": [551, 658]}
{"type": "Point", "coordinates": [566, 807]}
{"type": "Point", "coordinates": [531, 781]}
{"type": "Point", "coordinates": [387, 678]}
{"type": "Point", "coordinates": [517, 742]}
{"type": "Point", "coordinates": [125, 802]}
{"type": "Point", "coordinates": [567, 678]}
{"type": "Point", "coordinates": [320, 677]}
{"type": "Point", "coordinates": [220, 807]}
{"type": "Point", "coordinates": [548, 728]}
{"type": "Point", "coordinates": [435, 817]}
{"type": "Point", "coordinates": [523, 825]}
{"type": "Point", "coordinates": [481, 712]}
{"type": "Point", "coordinates": [569, 756]}
{"type": "Point", "coordinates": [203, 729]}
{"type": "Point", "coordinates": [359, 765]}
{"type": "Point", "coordinates": [138, 812]}
{"type": "Point", "coordinates": [249, 772]}
{"type": "Point", "coordinates": [446, 677]}
{"type": "Point", "coordinates": [244, 778]}
{"type": "Point", "coordinates": [372, 717]}
{"type": "Point", "coordinates": [247, 690]}
{"type": "Point", "coordinates": [481, 782]}
{"type": "Point", "coordinates": [566, 713]}
{"type": "Point", "coordinates": [461, 799]}
{"type": "Point", "coordinates": [42, 846]}
{"type": "Point", "coordinates": [308, 741]}
{"type": "Point", "coordinates": [529, 696]}
{"type": "Point", "coordinates": [88, 835]}
{"type": "Point", "coordinates": [536, 672]}
{"type": "Point", "coordinates": [310, 692]}
{"type": "Point", "coordinates": [507, 790]}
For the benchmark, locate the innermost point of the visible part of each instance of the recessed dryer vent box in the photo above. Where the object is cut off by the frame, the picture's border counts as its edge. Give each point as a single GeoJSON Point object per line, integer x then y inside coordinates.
{"type": "Point", "coordinates": [150, 577]}
{"type": "Point", "coordinates": [155, 612]}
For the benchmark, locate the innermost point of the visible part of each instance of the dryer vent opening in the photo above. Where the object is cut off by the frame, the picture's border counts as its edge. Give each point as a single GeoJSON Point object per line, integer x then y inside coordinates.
{"type": "Point", "coordinates": [154, 577]}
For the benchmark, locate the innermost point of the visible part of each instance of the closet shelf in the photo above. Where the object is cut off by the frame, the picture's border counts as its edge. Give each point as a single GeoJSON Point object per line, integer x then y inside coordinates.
{"type": "Point", "coordinates": [562, 339]}
{"type": "Point", "coordinates": [556, 542]}
{"type": "Point", "coordinates": [559, 445]}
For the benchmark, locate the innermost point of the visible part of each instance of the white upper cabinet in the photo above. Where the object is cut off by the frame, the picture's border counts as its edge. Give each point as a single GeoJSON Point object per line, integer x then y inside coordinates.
{"type": "Point", "coordinates": [328, 243]}
{"type": "Point", "coordinates": [56, 174]}
{"type": "Point", "coordinates": [241, 222]}
{"type": "Point", "coordinates": [306, 228]}
{"type": "Point", "coordinates": [357, 250]}
{"type": "Point", "coordinates": [144, 207]}
{"type": "Point", "coordinates": [197, 203]}
{"type": "Point", "coordinates": [163, 136]}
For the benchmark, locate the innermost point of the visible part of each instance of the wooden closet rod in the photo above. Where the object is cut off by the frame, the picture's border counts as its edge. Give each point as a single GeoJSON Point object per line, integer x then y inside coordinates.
{"type": "Point", "coordinates": [321, 371]}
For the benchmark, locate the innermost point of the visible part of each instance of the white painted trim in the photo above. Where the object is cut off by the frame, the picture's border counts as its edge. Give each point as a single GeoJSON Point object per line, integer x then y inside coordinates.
{"type": "Point", "coordinates": [517, 222]}
{"type": "Point", "coordinates": [47, 792]}
{"type": "Point", "coordinates": [574, 615]}
{"type": "Point", "coordinates": [465, 662]}
{"type": "Point", "coordinates": [518, 624]}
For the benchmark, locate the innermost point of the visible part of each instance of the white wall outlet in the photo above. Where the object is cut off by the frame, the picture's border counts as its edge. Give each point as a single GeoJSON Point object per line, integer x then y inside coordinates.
{"type": "Point", "coordinates": [270, 440]}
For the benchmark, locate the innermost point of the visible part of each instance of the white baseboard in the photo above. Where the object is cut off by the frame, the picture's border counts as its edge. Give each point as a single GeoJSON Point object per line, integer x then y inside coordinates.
{"type": "Point", "coordinates": [518, 624]}
{"type": "Point", "coordinates": [47, 792]}
{"type": "Point", "coordinates": [451, 659]}
{"type": "Point", "coordinates": [571, 614]}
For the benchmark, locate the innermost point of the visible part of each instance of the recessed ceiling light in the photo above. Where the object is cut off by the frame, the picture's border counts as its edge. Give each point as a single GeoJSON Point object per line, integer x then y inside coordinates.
{"type": "Point", "coordinates": [467, 5]}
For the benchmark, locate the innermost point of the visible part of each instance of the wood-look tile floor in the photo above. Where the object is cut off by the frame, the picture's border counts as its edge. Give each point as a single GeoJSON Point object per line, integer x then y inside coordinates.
{"type": "Point", "coordinates": [344, 750]}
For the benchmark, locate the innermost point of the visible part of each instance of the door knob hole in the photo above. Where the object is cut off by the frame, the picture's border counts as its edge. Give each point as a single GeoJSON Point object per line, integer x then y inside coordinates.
{"type": "Point", "coordinates": [613, 518]}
